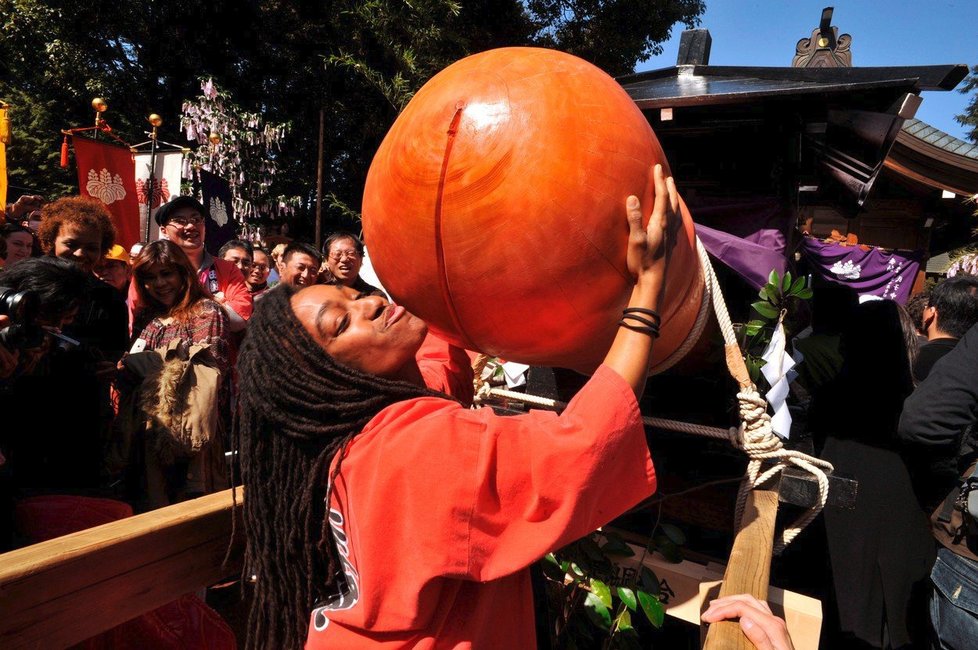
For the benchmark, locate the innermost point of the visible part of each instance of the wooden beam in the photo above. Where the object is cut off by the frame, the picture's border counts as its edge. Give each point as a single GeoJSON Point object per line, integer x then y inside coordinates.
{"type": "Point", "coordinates": [749, 568]}
{"type": "Point", "coordinates": [65, 590]}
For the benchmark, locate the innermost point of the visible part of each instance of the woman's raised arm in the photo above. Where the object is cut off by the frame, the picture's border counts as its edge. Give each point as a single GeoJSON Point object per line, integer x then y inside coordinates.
{"type": "Point", "coordinates": [649, 250]}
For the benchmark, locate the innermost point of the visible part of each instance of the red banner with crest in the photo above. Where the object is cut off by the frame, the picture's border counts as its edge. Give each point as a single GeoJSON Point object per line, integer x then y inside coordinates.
{"type": "Point", "coordinates": [107, 172]}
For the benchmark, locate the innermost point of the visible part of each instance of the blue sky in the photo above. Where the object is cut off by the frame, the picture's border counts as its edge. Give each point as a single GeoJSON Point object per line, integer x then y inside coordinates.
{"type": "Point", "coordinates": [884, 33]}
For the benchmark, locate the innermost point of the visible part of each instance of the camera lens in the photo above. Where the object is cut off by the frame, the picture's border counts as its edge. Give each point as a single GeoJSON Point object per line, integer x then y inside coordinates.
{"type": "Point", "coordinates": [21, 306]}
{"type": "Point", "coordinates": [21, 337]}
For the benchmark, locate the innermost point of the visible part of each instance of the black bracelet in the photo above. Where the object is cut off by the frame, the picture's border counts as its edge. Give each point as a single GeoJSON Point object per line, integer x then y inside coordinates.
{"type": "Point", "coordinates": [643, 321]}
{"type": "Point", "coordinates": [642, 310]}
{"type": "Point", "coordinates": [649, 331]}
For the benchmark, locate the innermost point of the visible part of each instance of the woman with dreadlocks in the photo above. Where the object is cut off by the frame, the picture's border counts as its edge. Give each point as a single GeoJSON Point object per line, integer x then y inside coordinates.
{"type": "Point", "coordinates": [382, 513]}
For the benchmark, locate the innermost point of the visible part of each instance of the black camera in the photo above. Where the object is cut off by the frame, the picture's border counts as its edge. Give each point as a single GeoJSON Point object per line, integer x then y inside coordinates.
{"type": "Point", "coordinates": [22, 307]}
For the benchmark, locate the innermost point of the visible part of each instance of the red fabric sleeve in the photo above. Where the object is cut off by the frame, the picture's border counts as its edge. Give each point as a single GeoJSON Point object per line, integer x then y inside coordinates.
{"type": "Point", "coordinates": [232, 284]}
{"type": "Point", "coordinates": [446, 368]}
{"type": "Point", "coordinates": [479, 496]}
{"type": "Point", "coordinates": [545, 481]}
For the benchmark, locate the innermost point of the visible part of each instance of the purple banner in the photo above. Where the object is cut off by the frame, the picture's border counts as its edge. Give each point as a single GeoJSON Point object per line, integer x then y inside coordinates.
{"type": "Point", "coordinates": [750, 261]}
{"type": "Point", "coordinates": [747, 235]}
{"type": "Point", "coordinates": [872, 272]}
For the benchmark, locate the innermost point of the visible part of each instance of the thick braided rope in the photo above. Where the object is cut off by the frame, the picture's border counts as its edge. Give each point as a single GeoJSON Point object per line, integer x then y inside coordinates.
{"type": "Point", "coordinates": [719, 304]}
{"type": "Point", "coordinates": [755, 436]}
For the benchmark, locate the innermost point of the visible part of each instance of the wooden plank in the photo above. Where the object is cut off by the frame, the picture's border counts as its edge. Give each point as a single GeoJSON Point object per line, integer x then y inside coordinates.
{"type": "Point", "coordinates": [749, 568]}
{"type": "Point", "coordinates": [60, 592]}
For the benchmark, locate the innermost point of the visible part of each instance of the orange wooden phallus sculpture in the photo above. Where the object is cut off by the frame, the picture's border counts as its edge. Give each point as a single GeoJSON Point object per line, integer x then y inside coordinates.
{"type": "Point", "coordinates": [495, 209]}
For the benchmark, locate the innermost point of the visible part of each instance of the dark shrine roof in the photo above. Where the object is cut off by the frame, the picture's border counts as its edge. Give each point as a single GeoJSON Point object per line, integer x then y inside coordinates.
{"type": "Point", "coordinates": [692, 85]}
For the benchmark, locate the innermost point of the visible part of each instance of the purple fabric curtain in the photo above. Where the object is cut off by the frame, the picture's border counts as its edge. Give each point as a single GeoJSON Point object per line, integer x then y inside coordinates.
{"type": "Point", "coordinates": [869, 272]}
{"type": "Point", "coordinates": [748, 235]}
{"type": "Point", "coordinates": [750, 261]}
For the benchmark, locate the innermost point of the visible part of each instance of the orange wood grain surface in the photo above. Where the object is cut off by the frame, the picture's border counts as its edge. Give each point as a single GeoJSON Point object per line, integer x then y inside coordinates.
{"type": "Point", "coordinates": [494, 209]}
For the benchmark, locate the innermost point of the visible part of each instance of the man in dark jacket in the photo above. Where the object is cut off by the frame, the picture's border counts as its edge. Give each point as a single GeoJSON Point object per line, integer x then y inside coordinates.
{"type": "Point", "coordinates": [938, 428]}
{"type": "Point", "coordinates": [951, 310]}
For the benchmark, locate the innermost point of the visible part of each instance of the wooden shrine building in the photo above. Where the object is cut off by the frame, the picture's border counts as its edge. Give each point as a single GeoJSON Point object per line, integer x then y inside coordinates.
{"type": "Point", "coordinates": [836, 146]}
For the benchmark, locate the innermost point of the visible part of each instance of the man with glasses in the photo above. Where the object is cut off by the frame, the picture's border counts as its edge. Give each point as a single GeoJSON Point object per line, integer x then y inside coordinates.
{"type": "Point", "coordinates": [181, 220]}
{"type": "Point", "coordinates": [344, 257]}
{"type": "Point", "coordinates": [257, 278]}
{"type": "Point", "coordinates": [240, 253]}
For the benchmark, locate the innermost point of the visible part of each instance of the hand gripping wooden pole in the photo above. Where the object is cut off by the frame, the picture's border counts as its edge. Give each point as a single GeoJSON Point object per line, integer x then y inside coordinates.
{"type": "Point", "coordinates": [749, 568]}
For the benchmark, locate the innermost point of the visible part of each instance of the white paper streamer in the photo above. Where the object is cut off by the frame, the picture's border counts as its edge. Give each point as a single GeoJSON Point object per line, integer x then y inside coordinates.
{"type": "Point", "coordinates": [776, 371]}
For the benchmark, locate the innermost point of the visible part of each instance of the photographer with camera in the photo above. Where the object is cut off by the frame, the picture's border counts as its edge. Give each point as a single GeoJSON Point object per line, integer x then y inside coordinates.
{"type": "Point", "coordinates": [37, 298]}
{"type": "Point", "coordinates": [79, 229]}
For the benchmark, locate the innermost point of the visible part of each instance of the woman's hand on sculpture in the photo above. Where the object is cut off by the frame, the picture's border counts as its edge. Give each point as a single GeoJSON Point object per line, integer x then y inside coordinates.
{"type": "Point", "coordinates": [649, 248]}
{"type": "Point", "coordinates": [647, 257]}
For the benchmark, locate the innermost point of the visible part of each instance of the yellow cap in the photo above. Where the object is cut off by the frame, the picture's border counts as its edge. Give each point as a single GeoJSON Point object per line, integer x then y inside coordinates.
{"type": "Point", "coordinates": [118, 254]}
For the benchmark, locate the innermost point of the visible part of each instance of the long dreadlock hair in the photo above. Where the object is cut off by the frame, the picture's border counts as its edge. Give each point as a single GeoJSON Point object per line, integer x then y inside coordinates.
{"type": "Point", "coordinates": [298, 409]}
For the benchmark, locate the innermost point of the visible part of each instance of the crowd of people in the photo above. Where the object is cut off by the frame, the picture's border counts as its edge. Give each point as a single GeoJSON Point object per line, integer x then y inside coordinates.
{"type": "Point", "coordinates": [866, 367]}
{"type": "Point", "coordinates": [119, 336]}
{"type": "Point", "coordinates": [318, 381]}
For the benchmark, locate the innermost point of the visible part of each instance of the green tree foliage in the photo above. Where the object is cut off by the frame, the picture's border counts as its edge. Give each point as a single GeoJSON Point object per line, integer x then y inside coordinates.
{"type": "Point", "coordinates": [970, 116]}
{"type": "Point", "coordinates": [358, 61]}
{"type": "Point", "coordinates": [34, 155]}
{"type": "Point", "coordinates": [613, 35]}
{"type": "Point", "coordinates": [56, 55]}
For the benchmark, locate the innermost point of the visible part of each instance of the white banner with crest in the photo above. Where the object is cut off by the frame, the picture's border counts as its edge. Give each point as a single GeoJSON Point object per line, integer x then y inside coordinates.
{"type": "Point", "coordinates": [166, 184]}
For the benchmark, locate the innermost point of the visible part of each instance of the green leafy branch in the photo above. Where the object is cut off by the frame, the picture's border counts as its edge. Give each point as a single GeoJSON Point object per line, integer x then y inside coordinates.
{"type": "Point", "coordinates": [777, 296]}
{"type": "Point", "coordinates": [584, 575]}
{"type": "Point", "coordinates": [396, 88]}
{"type": "Point", "coordinates": [336, 203]}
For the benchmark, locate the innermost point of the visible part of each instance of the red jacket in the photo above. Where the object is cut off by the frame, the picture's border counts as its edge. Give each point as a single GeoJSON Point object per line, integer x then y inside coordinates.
{"type": "Point", "coordinates": [438, 511]}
